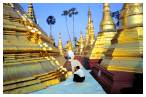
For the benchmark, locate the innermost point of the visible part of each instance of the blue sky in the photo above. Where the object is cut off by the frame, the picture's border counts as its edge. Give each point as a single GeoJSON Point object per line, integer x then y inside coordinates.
{"type": "Point", "coordinates": [43, 10]}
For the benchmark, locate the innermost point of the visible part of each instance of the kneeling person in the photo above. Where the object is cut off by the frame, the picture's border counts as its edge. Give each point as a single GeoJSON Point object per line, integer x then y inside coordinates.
{"type": "Point", "coordinates": [78, 75]}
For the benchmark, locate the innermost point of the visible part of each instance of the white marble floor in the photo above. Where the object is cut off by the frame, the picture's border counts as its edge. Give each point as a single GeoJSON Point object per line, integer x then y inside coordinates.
{"type": "Point", "coordinates": [89, 86]}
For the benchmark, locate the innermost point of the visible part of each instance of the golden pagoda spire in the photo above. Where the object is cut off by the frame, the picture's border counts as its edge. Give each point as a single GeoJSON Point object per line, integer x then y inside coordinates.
{"type": "Point", "coordinates": [127, 48]}
{"type": "Point", "coordinates": [69, 46]}
{"type": "Point", "coordinates": [90, 30]}
{"type": "Point", "coordinates": [81, 43]}
{"type": "Point", "coordinates": [86, 37]}
{"type": "Point", "coordinates": [89, 15]}
{"type": "Point", "coordinates": [103, 40]}
{"type": "Point", "coordinates": [107, 23]}
{"type": "Point", "coordinates": [52, 38]}
{"type": "Point", "coordinates": [81, 36]}
{"type": "Point", "coordinates": [125, 55]}
{"type": "Point", "coordinates": [60, 44]}
{"type": "Point", "coordinates": [31, 13]}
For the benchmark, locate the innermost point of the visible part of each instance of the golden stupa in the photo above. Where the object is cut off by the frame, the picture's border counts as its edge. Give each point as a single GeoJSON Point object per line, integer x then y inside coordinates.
{"type": "Point", "coordinates": [69, 46]}
{"type": "Point", "coordinates": [89, 38]}
{"type": "Point", "coordinates": [31, 62]}
{"type": "Point", "coordinates": [103, 40]}
{"type": "Point", "coordinates": [126, 51]}
{"type": "Point", "coordinates": [121, 70]}
{"type": "Point", "coordinates": [80, 44]}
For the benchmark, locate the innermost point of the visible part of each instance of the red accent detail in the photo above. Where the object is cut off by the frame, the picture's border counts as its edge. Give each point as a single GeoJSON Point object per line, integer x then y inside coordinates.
{"type": "Point", "coordinates": [113, 81]}
{"type": "Point", "coordinates": [93, 62]}
{"type": "Point", "coordinates": [79, 58]}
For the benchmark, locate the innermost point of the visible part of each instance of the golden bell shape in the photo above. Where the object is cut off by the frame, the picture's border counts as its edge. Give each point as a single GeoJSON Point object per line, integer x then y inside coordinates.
{"type": "Point", "coordinates": [103, 40]}
{"type": "Point", "coordinates": [131, 15]}
{"type": "Point", "coordinates": [107, 24]}
{"type": "Point", "coordinates": [125, 54]}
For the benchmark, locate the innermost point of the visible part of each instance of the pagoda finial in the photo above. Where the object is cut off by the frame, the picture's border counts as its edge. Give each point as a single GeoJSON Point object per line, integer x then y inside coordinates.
{"type": "Point", "coordinates": [89, 16]}
{"type": "Point", "coordinates": [81, 43]}
{"type": "Point", "coordinates": [89, 11]}
{"type": "Point", "coordinates": [90, 29]}
{"type": "Point", "coordinates": [106, 7]}
{"type": "Point", "coordinates": [81, 35]}
{"type": "Point", "coordinates": [31, 13]}
{"type": "Point", "coordinates": [107, 23]}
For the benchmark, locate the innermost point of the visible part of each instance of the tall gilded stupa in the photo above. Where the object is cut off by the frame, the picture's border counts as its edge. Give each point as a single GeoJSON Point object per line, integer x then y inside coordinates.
{"type": "Point", "coordinates": [121, 71]}
{"type": "Point", "coordinates": [90, 37]}
{"type": "Point", "coordinates": [69, 46]}
{"type": "Point", "coordinates": [103, 40]}
{"type": "Point", "coordinates": [30, 61]}
{"type": "Point", "coordinates": [80, 44]}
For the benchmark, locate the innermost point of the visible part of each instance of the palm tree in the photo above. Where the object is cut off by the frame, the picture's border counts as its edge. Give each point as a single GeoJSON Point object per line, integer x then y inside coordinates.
{"type": "Point", "coordinates": [51, 21]}
{"type": "Point", "coordinates": [65, 13]}
{"type": "Point", "coordinates": [72, 12]}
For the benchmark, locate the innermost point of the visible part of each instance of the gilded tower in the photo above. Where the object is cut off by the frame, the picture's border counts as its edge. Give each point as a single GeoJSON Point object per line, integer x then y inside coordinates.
{"type": "Point", "coordinates": [29, 57]}
{"type": "Point", "coordinates": [122, 66]}
{"type": "Point", "coordinates": [90, 30]}
{"type": "Point", "coordinates": [31, 13]}
{"type": "Point", "coordinates": [89, 37]}
{"type": "Point", "coordinates": [86, 37]}
{"type": "Point", "coordinates": [69, 46]}
{"type": "Point", "coordinates": [127, 46]}
{"type": "Point", "coordinates": [107, 23]}
{"type": "Point", "coordinates": [106, 34]}
{"type": "Point", "coordinates": [60, 47]}
{"type": "Point", "coordinates": [81, 43]}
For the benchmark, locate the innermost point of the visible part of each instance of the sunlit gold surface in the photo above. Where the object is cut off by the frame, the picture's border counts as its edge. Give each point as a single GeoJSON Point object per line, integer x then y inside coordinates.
{"type": "Point", "coordinates": [28, 54]}
{"type": "Point", "coordinates": [69, 46]}
{"type": "Point", "coordinates": [89, 37]}
{"type": "Point", "coordinates": [132, 15]}
{"type": "Point", "coordinates": [126, 52]}
{"type": "Point", "coordinates": [103, 40]}
{"type": "Point", "coordinates": [107, 23]}
{"type": "Point", "coordinates": [31, 13]}
{"type": "Point", "coordinates": [90, 28]}
{"type": "Point", "coordinates": [80, 44]}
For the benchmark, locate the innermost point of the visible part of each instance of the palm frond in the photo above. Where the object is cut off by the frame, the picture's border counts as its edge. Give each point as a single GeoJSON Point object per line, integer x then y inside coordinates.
{"type": "Point", "coordinates": [65, 13]}
{"type": "Point", "coordinates": [51, 20]}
